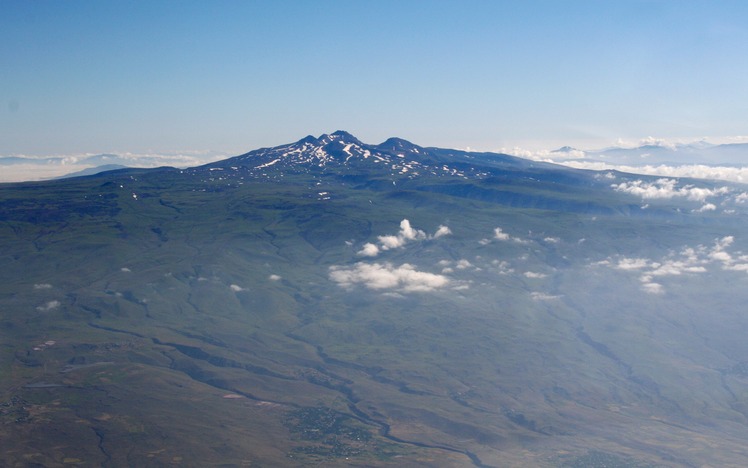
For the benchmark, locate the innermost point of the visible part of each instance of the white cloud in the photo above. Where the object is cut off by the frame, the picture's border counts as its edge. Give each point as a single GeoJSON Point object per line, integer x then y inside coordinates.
{"type": "Point", "coordinates": [406, 234]}
{"type": "Point", "coordinates": [410, 233]}
{"type": "Point", "coordinates": [653, 288]}
{"type": "Point", "coordinates": [552, 240]}
{"type": "Point", "coordinates": [706, 207]}
{"type": "Point", "coordinates": [442, 231]}
{"type": "Point", "coordinates": [51, 305]}
{"type": "Point", "coordinates": [463, 264]}
{"type": "Point", "coordinates": [502, 267]}
{"type": "Point", "coordinates": [674, 268]}
{"type": "Point", "coordinates": [369, 250]}
{"type": "Point", "coordinates": [667, 188]}
{"type": "Point", "coordinates": [385, 276]}
{"type": "Point", "coordinates": [538, 296]}
{"type": "Point", "coordinates": [532, 274]}
{"type": "Point", "coordinates": [500, 235]}
{"type": "Point", "coordinates": [632, 263]}
{"type": "Point", "coordinates": [718, 251]}
{"type": "Point", "coordinates": [236, 288]}
{"type": "Point", "coordinates": [43, 286]}
{"type": "Point", "coordinates": [692, 171]}
{"type": "Point", "coordinates": [274, 277]}
{"type": "Point", "coordinates": [688, 261]}
{"type": "Point", "coordinates": [543, 155]}
{"type": "Point", "coordinates": [652, 141]}
{"type": "Point", "coordinates": [125, 270]}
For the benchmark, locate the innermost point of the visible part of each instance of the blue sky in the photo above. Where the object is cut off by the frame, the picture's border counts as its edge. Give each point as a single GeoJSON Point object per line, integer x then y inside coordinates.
{"type": "Point", "coordinates": [101, 76]}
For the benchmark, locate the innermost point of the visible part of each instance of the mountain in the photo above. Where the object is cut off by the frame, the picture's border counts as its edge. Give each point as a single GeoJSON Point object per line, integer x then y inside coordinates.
{"type": "Point", "coordinates": [564, 149]}
{"type": "Point", "coordinates": [336, 303]}
{"type": "Point", "coordinates": [93, 170]}
{"type": "Point", "coordinates": [694, 153]}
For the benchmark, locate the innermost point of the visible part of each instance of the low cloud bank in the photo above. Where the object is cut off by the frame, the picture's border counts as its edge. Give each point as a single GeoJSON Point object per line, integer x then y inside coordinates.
{"type": "Point", "coordinates": [20, 168]}
{"type": "Point", "coordinates": [668, 188]}
{"type": "Point", "coordinates": [695, 171]}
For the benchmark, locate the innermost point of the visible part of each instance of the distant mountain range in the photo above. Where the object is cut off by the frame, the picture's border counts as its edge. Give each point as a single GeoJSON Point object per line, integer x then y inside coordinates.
{"type": "Point", "coordinates": [695, 153]}
{"type": "Point", "coordinates": [94, 160]}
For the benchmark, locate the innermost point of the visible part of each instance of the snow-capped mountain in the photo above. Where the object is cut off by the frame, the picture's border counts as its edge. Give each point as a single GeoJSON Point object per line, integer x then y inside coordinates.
{"type": "Point", "coordinates": [341, 150]}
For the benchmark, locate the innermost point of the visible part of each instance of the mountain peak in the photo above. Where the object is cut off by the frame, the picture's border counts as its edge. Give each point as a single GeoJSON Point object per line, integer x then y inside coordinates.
{"type": "Point", "coordinates": [340, 136]}
{"type": "Point", "coordinates": [398, 144]}
{"type": "Point", "coordinates": [564, 149]}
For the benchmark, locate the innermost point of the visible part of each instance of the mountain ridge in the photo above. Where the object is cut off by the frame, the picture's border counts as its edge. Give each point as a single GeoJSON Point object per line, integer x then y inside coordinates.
{"type": "Point", "coordinates": [395, 157]}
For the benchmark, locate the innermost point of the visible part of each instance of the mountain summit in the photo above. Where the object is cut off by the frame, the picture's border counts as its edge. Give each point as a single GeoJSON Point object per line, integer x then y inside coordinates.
{"type": "Point", "coordinates": [343, 152]}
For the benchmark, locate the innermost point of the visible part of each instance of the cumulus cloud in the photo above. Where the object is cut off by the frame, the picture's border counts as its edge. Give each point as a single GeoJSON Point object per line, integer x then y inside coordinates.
{"type": "Point", "coordinates": [706, 207]}
{"type": "Point", "coordinates": [689, 260]}
{"type": "Point", "coordinates": [386, 276]}
{"type": "Point", "coordinates": [632, 263]}
{"type": "Point", "coordinates": [442, 231]}
{"type": "Point", "coordinates": [43, 286]}
{"type": "Point", "coordinates": [369, 250]}
{"type": "Point", "coordinates": [534, 275]}
{"type": "Point", "coordinates": [274, 277]}
{"type": "Point", "coordinates": [463, 264]}
{"type": "Point", "coordinates": [125, 270]}
{"type": "Point", "coordinates": [51, 305]}
{"type": "Point", "coordinates": [406, 234]}
{"type": "Point", "coordinates": [499, 234]}
{"type": "Point", "coordinates": [236, 288]}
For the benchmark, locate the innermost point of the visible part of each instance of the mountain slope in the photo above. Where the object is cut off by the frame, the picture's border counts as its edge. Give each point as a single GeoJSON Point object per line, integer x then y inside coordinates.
{"type": "Point", "coordinates": [337, 303]}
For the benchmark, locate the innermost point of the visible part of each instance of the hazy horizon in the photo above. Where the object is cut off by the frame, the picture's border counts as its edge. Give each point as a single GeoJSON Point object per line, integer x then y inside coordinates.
{"type": "Point", "coordinates": [229, 77]}
{"type": "Point", "coordinates": [696, 163]}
